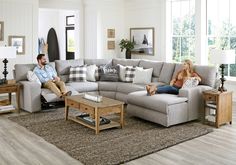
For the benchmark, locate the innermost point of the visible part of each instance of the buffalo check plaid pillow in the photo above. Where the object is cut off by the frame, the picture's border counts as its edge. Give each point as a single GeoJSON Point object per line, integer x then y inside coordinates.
{"type": "Point", "coordinates": [78, 74]}
{"type": "Point", "coordinates": [129, 74]}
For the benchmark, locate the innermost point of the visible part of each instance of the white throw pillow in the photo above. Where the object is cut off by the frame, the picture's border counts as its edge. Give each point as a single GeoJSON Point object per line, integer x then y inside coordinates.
{"type": "Point", "coordinates": [91, 73]}
{"type": "Point", "coordinates": [32, 77]}
{"type": "Point", "coordinates": [143, 76]}
{"type": "Point", "coordinates": [191, 82]}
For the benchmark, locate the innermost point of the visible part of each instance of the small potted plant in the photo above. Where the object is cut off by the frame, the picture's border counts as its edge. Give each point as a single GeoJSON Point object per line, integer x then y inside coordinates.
{"type": "Point", "coordinates": [128, 45]}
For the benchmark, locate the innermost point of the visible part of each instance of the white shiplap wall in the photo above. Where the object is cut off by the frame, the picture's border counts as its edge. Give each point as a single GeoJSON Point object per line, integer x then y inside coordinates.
{"type": "Point", "coordinates": [20, 18]}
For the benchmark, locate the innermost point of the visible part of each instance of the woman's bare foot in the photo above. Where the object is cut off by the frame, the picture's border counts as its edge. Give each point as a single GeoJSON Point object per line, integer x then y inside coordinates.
{"type": "Point", "coordinates": [151, 89]}
{"type": "Point", "coordinates": [148, 89]}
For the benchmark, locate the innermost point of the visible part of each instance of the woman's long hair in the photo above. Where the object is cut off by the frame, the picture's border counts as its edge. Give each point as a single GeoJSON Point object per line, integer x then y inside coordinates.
{"type": "Point", "coordinates": [190, 64]}
{"type": "Point", "coordinates": [188, 73]}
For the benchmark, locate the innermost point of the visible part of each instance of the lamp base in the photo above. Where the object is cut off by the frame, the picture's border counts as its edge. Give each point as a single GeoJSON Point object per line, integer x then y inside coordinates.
{"type": "Point", "coordinates": [222, 89]}
{"type": "Point", "coordinates": [5, 72]}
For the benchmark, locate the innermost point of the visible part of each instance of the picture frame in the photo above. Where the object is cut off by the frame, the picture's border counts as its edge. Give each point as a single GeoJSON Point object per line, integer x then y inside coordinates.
{"type": "Point", "coordinates": [18, 42]}
{"type": "Point", "coordinates": [111, 33]}
{"type": "Point", "coordinates": [1, 31]}
{"type": "Point", "coordinates": [111, 45]}
{"type": "Point", "coordinates": [143, 39]}
{"type": "Point", "coordinates": [70, 20]}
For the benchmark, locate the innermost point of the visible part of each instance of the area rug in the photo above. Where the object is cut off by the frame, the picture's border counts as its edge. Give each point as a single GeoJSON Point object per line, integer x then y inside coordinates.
{"type": "Point", "coordinates": [114, 146]}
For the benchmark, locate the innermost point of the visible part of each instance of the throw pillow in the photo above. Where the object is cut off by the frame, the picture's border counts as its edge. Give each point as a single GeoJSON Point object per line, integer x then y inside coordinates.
{"type": "Point", "coordinates": [129, 74]}
{"type": "Point", "coordinates": [90, 74]}
{"type": "Point", "coordinates": [32, 77]}
{"type": "Point", "coordinates": [78, 74]}
{"type": "Point", "coordinates": [122, 70]}
{"type": "Point", "coordinates": [143, 76]}
{"type": "Point", "coordinates": [191, 82]}
{"type": "Point", "coordinates": [109, 73]}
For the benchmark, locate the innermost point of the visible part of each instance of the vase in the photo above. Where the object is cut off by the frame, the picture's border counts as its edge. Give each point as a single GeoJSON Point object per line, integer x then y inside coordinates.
{"type": "Point", "coordinates": [128, 54]}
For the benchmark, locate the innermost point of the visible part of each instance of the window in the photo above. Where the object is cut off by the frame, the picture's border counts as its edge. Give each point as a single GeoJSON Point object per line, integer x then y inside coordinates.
{"type": "Point", "coordinates": [183, 30]}
{"type": "Point", "coordinates": [70, 37]}
{"type": "Point", "coordinates": [221, 28]}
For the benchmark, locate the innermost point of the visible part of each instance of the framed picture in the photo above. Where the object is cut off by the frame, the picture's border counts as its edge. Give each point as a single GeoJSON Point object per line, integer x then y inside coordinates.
{"type": "Point", "coordinates": [18, 42]}
{"type": "Point", "coordinates": [110, 45]}
{"type": "Point", "coordinates": [70, 20]}
{"type": "Point", "coordinates": [1, 31]}
{"type": "Point", "coordinates": [143, 39]}
{"type": "Point", "coordinates": [111, 33]}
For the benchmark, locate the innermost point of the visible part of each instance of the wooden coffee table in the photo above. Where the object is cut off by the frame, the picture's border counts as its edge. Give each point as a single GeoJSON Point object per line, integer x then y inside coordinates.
{"type": "Point", "coordinates": [95, 110]}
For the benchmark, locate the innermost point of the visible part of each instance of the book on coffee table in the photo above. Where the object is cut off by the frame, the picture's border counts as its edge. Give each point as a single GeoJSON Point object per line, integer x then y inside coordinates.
{"type": "Point", "coordinates": [86, 118]}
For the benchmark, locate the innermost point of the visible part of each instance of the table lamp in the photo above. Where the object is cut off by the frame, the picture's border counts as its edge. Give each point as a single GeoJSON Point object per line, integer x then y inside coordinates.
{"type": "Point", "coordinates": [7, 52]}
{"type": "Point", "coordinates": [222, 57]}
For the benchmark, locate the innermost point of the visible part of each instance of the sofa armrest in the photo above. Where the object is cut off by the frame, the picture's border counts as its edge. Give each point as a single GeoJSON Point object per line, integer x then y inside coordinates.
{"type": "Point", "coordinates": [195, 100]}
{"type": "Point", "coordinates": [30, 99]}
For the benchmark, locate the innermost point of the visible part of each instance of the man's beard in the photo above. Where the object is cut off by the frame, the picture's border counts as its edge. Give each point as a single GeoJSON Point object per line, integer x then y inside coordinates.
{"type": "Point", "coordinates": [44, 63]}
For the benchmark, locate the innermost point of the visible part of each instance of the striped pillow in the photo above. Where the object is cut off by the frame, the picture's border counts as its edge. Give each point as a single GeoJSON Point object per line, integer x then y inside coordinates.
{"type": "Point", "coordinates": [78, 74]}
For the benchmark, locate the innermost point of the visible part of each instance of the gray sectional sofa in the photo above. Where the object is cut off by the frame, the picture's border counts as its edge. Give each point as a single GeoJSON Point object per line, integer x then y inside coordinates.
{"type": "Point", "coordinates": [164, 109]}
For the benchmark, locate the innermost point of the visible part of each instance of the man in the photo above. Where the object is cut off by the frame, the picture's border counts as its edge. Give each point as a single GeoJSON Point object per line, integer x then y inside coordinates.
{"type": "Point", "coordinates": [48, 77]}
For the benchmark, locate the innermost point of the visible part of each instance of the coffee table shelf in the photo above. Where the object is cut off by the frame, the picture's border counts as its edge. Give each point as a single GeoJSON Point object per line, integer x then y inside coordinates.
{"type": "Point", "coordinates": [96, 110]}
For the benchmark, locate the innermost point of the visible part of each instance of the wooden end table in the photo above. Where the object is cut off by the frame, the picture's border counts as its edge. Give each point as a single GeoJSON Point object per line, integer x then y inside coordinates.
{"type": "Point", "coordinates": [11, 88]}
{"type": "Point", "coordinates": [95, 110]}
{"type": "Point", "coordinates": [221, 103]}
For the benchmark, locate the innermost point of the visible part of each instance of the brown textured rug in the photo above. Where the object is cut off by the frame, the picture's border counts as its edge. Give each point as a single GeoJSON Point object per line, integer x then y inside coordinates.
{"type": "Point", "coordinates": [114, 146]}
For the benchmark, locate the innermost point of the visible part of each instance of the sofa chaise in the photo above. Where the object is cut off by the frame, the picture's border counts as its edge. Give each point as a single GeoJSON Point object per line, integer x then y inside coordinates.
{"type": "Point", "coordinates": [164, 109]}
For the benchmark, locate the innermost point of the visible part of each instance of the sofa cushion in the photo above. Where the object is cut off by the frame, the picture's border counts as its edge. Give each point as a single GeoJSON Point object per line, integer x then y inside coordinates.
{"type": "Point", "coordinates": [125, 62]}
{"type": "Point", "coordinates": [167, 72]}
{"type": "Point", "coordinates": [97, 62]}
{"type": "Point", "coordinates": [207, 74]}
{"type": "Point", "coordinates": [63, 66]}
{"type": "Point", "coordinates": [158, 102]}
{"type": "Point", "coordinates": [84, 86]}
{"type": "Point", "coordinates": [178, 67]}
{"type": "Point", "coordinates": [107, 86]}
{"type": "Point", "coordinates": [129, 87]}
{"type": "Point", "coordinates": [156, 65]}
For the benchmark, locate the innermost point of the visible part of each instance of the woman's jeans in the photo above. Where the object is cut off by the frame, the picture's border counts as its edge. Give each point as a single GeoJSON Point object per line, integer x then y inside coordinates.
{"type": "Point", "coordinates": [168, 89]}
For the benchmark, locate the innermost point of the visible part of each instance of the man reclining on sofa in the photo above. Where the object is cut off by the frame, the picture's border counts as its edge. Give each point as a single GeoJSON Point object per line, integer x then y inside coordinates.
{"type": "Point", "coordinates": [181, 77]}
{"type": "Point", "coordinates": [49, 79]}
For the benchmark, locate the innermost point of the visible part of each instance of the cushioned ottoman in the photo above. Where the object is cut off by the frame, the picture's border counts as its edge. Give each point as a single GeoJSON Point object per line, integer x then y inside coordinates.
{"type": "Point", "coordinates": [164, 109]}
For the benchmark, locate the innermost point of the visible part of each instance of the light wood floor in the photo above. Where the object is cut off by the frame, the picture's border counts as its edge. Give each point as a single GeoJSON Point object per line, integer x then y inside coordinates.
{"type": "Point", "coordinates": [18, 146]}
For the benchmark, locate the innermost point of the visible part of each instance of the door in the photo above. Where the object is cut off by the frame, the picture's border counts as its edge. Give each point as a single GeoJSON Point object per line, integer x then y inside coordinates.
{"type": "Point", "coordinates": [70, 43]}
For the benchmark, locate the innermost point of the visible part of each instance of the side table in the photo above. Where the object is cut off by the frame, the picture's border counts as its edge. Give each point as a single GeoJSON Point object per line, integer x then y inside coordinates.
{"type": "Point", "coordinates": [219, 106]}
{"type": "Point", "coordinates": [11, 88]}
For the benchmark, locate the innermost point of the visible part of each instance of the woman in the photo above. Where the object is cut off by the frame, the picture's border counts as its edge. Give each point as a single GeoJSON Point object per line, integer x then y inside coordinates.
{"type": "Point", "coordinates": [185, 73]}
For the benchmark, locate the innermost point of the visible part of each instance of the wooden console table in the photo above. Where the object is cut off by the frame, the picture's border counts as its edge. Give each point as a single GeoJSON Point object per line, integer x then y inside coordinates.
{"type": "Point", "coordinates": [11, 88]}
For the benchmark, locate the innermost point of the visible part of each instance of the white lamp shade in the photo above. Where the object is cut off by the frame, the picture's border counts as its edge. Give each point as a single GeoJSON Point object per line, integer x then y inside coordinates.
{"type": "Point", "coordinates": [7, 52]}
{"type": "Point", "coordinates": [222, 56]}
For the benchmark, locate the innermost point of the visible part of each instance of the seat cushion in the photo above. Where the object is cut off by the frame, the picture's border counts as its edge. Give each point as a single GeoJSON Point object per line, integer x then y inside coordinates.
{"type": "Point", "coordinates": [129, 87]}
{"type": "Point", "coordinates": [107, 86]}
{"type": "Point", "coordinates": [49, 96]}
{"type": "Point", "coordinates": [158, 102]}
{"type": "Point", "coordinates": [84, 86]}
